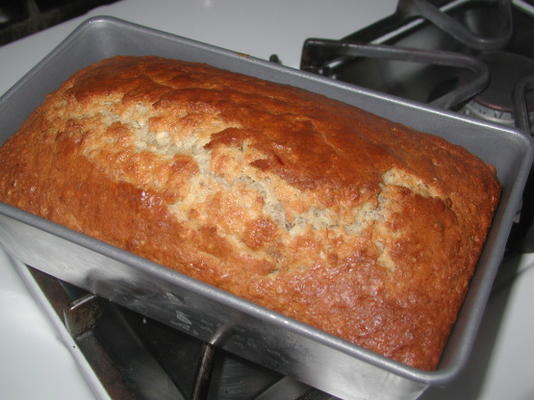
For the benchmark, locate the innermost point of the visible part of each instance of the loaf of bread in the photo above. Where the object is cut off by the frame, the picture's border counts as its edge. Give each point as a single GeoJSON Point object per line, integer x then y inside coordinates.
{"type": "Point", "coordinates": [361, 227]}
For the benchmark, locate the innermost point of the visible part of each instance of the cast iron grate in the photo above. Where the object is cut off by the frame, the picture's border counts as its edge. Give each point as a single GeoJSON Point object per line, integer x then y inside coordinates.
{"type": "Point", "coordinates": [435, 51]}
{"type": "Point", "coordinates": [22, 18]}
{"type": "Point", "coordinates": [138, 358]}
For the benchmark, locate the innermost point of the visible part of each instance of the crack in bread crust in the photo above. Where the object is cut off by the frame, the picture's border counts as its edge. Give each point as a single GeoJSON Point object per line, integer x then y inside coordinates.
{"type": "Point", "coordinates": [222, 171]}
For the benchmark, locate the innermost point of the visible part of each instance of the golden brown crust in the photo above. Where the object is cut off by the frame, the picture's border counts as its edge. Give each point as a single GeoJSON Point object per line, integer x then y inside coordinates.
{"type": "Point", "coordinates": [361, 227]}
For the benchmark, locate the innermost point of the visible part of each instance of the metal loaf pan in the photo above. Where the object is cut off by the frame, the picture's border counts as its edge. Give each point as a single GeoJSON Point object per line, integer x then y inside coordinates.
{"type": "Point", "coordinates": [243, 328]}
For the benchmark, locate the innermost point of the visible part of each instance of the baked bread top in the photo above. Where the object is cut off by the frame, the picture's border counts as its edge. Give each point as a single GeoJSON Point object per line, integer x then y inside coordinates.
{"type": "Point", "coordinates": [361, 227]}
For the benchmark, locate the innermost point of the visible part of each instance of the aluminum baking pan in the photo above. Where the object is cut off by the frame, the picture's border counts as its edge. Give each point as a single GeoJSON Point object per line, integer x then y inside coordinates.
{"type": "Point", "coordinates": [243, 328]}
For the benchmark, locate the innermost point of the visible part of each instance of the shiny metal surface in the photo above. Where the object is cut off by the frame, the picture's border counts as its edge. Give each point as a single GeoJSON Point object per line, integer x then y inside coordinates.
{"type": "Point", "coordinates": [205, 312]}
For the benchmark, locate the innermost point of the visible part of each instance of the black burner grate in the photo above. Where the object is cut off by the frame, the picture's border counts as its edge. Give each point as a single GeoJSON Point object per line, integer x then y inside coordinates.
{"type": "Point", "coordinates": [138, 358]}
{"type": "Point", "coordinates": [22, 18]}
{"type": "Point", "coordinates": [414, 53]}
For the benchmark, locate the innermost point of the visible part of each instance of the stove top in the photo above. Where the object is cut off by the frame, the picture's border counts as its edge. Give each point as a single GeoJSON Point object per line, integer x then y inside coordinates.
{"type": "Point", "coordinates": [22, 18]}
{"type": "Point", "coordinates": [466, 56]}
{"type": "Point", "coordinates": [496, 369]}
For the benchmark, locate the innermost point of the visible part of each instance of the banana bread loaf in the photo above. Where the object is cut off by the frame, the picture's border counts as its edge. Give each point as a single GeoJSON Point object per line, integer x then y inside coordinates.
{"type": "Point", "coordinates": [361, 227]}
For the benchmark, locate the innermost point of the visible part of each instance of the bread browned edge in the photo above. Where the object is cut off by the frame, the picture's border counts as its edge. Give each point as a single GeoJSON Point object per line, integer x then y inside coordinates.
{"type": "Point", "coordinates": [361, 227]}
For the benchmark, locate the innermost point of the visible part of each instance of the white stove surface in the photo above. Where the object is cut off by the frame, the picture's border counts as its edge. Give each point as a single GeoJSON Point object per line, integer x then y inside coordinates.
{"type": "Point", "coordinates": [39, 360]}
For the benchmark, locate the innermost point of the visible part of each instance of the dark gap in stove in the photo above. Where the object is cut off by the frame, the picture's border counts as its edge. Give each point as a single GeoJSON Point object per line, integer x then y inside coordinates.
{"type": "Point", "coordinates": [22, 18]}
{"type": "Point", "coordinates": [136, 357]}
